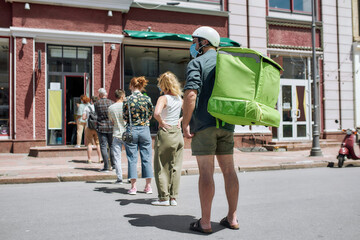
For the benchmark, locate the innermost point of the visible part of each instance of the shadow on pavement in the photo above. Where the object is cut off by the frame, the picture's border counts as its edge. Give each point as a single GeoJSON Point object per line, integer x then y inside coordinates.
{"type": "Point", "coordinates": [146, 201]}
{"type": "Point", "coordinates": [175, 223]}
{"type": "Point", "coordinates": [78, 161]}
{"type": "Point", "coordinates": [90, 169]}
{"type": "Point", "coordinates": [106, 182]}
{"type": "Point", "coordinates": [346, 165]}
{"type": "Point", "coordinates": [111, 190]}
{"type": "Point", "coordinates": [351, 165]}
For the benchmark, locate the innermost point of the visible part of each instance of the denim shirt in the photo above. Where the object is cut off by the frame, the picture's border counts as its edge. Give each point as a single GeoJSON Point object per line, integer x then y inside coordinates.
{"type": "Point", "coordinates": [200, 76]}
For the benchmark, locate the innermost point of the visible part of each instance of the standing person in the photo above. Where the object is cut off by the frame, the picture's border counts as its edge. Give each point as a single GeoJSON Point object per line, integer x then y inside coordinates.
{"type": "Point", "coordinates": [104, 128]}
{"type": "Point", "coordinates": [116, 116]}
{"type": "Point", "coordinates": [91, 137]}
{"type": "Point", "coordinates": [140, 109]}
{"type": "Point", "coordinates": [80, 123]}
{"type": "Point", "coordinates": [169, 142]}
{"type": "Point", "coordinates": [208, 140]}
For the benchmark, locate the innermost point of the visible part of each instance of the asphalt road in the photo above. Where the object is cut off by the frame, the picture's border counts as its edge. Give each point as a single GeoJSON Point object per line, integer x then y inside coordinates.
{"type": "Point", "coordinates": [320, 203]}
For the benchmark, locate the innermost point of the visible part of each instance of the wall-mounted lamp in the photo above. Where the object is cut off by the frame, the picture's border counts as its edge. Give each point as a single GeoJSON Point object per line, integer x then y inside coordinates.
{"type": "Point", "coordinates": [110, 13]}
{"type": "Point", "coordinates": [112, 47]}
{"type": "Point", "coordinates": [24, 41]}
{"type": "Point", "coordinates": [27, 6]}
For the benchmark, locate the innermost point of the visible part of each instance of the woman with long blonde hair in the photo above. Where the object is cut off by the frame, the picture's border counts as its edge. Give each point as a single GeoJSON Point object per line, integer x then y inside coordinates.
{"type": "Point", "coordinates": [169, 142]}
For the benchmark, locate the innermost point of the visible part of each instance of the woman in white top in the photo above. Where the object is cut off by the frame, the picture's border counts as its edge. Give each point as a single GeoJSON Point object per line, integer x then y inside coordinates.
{"type": "Point", "coordinates": [80, 123]}
{"type": "Point", "coordinates": [169, 142]}
{"type": "Point", "coordinates": [91, 137]}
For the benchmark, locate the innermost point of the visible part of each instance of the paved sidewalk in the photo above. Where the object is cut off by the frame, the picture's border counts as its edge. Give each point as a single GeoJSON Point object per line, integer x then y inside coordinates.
{"type": "Point", "coordinates": [19, 168]}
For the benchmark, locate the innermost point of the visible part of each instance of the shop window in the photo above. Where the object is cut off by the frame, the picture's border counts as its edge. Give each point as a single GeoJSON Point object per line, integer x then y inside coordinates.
{"type": "Point", "coordinates": [69, 59]}
{"type": "Point", "coordinates": [294, 67]}
{"type": "Point", "coordinates": [83, 53]}
{"type": "Point", "coordinates": [55, 65]}
{"type": "Point", "coordinates": [297, 6]}
{"type": "Point", "coordinates": [151, 62]}
{"type": "Point", "coordinates": [4, 87]}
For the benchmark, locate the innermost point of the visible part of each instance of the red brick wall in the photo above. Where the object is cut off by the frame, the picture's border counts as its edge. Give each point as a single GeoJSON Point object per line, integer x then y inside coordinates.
{"type": "Point", "coordinates": [24, 89]}
{"type": "Point", "coordinates": [40, 93]}
{"type": "Point", "coordinates": [112, 69]}
{"type": "Point", "coordinates": [5, 14]}
{"type": "Point", "coordinates": [292, 36]}
{"type": "Point", "coordinates": [98, 69]}
{"type": "Point", "coordinates": [172, 22]}
{"type": "Point", "coordinates": [66, 18]}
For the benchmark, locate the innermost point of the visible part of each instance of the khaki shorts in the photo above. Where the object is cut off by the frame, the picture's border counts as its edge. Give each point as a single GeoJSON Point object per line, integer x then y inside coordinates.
{"type": "Point", "coordinates": [212, 141]}
{"type": "Point", "coordinates": [91, 136]}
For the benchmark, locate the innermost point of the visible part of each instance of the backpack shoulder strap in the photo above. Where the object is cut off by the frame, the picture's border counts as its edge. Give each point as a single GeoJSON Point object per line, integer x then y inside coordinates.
{"type": "Point", "coordinates": [217, 123]}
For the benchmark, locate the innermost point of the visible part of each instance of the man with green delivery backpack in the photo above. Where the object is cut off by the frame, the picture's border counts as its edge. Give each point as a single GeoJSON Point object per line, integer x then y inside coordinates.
{"type": "Point", "coordinates": [208, 140]}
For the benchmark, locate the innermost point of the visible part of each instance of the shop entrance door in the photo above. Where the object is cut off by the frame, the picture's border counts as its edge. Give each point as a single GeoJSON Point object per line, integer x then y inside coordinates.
{"type": "Point", "coordinates": [294, 109]}
{"type": "Point", "coordinates": [74, 88]}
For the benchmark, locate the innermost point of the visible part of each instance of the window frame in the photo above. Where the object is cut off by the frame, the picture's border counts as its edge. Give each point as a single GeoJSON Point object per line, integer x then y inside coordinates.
{"type": "Point", "coordinates": [7, 135]}
{"type": "Point", "coordinates": [290, 10]}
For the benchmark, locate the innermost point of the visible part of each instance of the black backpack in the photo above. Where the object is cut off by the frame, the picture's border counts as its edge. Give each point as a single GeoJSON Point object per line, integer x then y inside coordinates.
{"type": "Point", "coordinates": [92, 119]}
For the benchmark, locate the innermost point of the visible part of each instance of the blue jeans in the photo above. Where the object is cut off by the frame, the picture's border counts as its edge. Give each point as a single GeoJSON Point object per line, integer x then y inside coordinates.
{"type": "Point", "coordinates": [116, 149]}
{"type": "Point", "coordinates": [142, 141]}
{"type": "Point", "coordinates": [106, 139]}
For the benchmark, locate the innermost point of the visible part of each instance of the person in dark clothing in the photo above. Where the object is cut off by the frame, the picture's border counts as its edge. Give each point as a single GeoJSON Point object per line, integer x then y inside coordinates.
{"type": "Point", "coordinates": [104, 128]}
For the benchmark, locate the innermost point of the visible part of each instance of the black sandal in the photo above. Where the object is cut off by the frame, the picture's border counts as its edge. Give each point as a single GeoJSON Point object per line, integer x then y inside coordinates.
{"type": "Point", "coordinates": [224, 222]}
{"type": "Point", "coordinates": [196, 226]}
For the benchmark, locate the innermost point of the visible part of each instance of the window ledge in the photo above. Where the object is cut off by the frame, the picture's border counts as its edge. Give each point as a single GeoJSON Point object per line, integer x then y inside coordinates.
{"type": "Point", "coordinates": [47, 35]}
{"type": "Point", "coordinates": [186, 7]}
{"type": "Point", "coordinates": [114, 5]}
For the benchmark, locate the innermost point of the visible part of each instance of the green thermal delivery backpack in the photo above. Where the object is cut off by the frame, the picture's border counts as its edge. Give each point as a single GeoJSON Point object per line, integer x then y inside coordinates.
{"type": "Point", "coordinates": [246, 88]}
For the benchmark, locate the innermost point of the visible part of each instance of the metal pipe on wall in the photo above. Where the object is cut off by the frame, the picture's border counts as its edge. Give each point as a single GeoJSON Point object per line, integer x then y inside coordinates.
{"type": "Point", "coordinates": [315, 150]}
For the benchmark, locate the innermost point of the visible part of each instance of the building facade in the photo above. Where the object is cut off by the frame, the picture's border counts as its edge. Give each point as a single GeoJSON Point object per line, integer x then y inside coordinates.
{"type": "Point", "coordinates": [356, 58]}
{"type": "Point", "coordinates": [282, 30]}
{"type": "Point", "coordinates": [51, 52]}
{"type": "Point", "coordinates": [54, 51]}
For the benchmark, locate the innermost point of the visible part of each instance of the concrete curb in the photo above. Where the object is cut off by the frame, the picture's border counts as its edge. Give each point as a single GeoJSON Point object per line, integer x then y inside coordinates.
{"type": "Point", "coordinates": [189, 171]}
{"type": "Point", "coordinates": [22, 180]}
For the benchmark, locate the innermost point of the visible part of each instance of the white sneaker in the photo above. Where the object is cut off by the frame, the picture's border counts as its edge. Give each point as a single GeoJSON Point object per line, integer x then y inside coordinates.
{"type": "Point", "coordinates": [132, 191]}
{"type": "Point", "coordinates": [173, 202]}
{"type": "Point", "coordinates": [77, 146]}
{"type": "Point", "coordinates": [160, 203]}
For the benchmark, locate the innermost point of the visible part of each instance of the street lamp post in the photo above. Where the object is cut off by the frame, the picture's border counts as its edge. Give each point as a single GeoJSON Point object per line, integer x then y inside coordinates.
{"type": "Point", "coordinates": [315, 150]}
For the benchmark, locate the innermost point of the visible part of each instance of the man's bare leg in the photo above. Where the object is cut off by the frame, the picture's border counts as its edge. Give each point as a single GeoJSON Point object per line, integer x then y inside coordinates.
{"type": "Point", "coordinates": [206, 188]}
{"type": "Point", "coordinates": [226, 163]}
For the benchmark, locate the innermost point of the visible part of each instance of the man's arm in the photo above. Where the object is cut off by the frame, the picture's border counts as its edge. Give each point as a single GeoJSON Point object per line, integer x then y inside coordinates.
{"type": "Point", "coordinates": [188, 109]}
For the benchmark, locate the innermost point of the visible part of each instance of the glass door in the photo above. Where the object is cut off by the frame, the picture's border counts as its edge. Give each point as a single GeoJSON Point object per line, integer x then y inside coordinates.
{"type": "Point", "coordinates": [294, 110]}
{"type": "Point", "coordinates": [68, 71]}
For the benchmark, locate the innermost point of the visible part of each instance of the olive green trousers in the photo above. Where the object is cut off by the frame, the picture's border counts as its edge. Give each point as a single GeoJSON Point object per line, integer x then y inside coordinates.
{"type": "Point", "coordinates": [168, 157]}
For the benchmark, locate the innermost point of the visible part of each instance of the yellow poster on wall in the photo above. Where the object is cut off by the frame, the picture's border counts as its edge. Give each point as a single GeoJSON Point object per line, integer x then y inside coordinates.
{"type": "Point", "coordinates": [55, 109]}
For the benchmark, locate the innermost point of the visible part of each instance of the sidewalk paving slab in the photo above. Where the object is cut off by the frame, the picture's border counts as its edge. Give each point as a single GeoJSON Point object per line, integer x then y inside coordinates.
{"type": "Point", "coordinates": [21, 168]}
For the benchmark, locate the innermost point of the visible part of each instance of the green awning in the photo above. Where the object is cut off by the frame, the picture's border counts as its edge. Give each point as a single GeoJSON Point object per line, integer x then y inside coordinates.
{"type": "Point", "coordinates": [224, 42]}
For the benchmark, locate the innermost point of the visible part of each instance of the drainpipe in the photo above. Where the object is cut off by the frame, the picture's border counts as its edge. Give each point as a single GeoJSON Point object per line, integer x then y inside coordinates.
{"type": "Point", "coordinates": [248, 24]}
{"type": "Point", "coordinates": [338, 61]}
{"type": "Point", "coordinates": [228, 10]}
{"type": "Point", "coordinates": [315, 150]}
